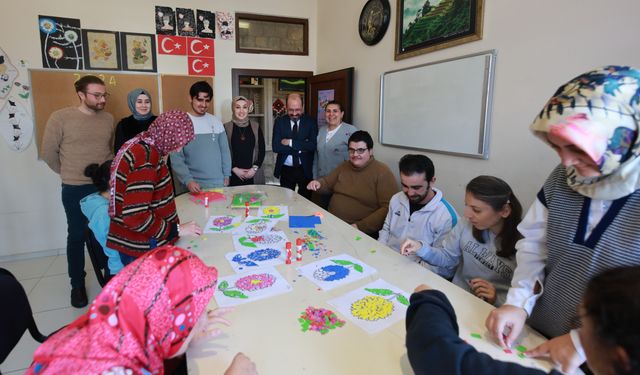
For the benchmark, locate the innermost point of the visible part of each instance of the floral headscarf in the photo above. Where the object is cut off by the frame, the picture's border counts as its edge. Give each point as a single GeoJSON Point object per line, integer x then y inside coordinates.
{"type": "Point", "coordinates": [141, 317]}
{"type": "Point", "coordinates": [599, 112]}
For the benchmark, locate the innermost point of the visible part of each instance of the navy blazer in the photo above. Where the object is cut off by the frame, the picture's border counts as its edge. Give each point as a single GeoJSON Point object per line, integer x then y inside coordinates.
{"type": "Point", "coordinates": [305, 141]}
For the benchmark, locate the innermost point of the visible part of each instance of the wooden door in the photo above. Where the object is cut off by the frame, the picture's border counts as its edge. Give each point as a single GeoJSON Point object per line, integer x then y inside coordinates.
{"type": "Point", "coordinates": [321, 88]}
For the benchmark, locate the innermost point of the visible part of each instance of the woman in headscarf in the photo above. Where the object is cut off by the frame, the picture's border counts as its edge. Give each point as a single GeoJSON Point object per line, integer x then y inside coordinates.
{"type": "Point", "coordinates": [585, 218]}
{"type": "Point", "coordinates": [148, 313]}
{"type": "Point", "coordinates": [139, 102]}
{"type": "Point", "coordinates": [142, 209]}
{"type": "Point", "coordinates": [246, 143]}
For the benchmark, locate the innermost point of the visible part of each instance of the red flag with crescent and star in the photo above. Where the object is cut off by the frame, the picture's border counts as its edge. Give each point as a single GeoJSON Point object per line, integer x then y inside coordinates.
{"type": "Point", "coordinates": [172, 45]}
{"type": "Point", "coordinates": [203, 47]}
{"type": "Point", "coordinates": [201, 66]}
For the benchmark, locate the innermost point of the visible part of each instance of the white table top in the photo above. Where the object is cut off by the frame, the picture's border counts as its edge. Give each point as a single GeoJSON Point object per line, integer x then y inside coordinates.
{"type": "Point", "coordinates": [268, 330]}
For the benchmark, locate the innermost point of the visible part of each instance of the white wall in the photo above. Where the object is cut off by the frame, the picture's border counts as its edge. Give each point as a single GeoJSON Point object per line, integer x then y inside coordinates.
{"type": "Point", "coordinates": [32, 219]}
{"type": "Point", "coordinates": [541, 44]}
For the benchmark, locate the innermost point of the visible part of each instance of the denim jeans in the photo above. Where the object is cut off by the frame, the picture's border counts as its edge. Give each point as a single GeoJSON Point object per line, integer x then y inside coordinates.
{"type": "Point", "coordinates": [76, 225]}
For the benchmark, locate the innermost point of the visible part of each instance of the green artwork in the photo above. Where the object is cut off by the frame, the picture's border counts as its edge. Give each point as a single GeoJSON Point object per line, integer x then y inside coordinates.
{"type": "Point", "coordinates": [240, 199]}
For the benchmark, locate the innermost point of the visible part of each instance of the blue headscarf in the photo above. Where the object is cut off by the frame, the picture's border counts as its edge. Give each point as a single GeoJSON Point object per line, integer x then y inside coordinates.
{"type": "Point", "coordinates": [131, 100]}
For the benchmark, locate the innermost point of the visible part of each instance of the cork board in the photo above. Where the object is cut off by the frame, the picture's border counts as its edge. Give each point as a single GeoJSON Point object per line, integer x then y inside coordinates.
{"type": "Point", "coordinates": [175, 91]}
{"type": "Point", "coordinates": [53, 90]}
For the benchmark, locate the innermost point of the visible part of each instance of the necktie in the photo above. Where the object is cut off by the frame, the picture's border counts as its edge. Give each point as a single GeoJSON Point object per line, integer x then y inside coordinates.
{"type": "Point", "coordinates": [294, 135]}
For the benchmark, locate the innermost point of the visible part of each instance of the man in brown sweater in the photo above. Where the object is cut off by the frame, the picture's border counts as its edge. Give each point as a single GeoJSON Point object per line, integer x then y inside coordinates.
{"type": "Point", "coordinates": [362, 187]}
{"type": "Point", "coordinates": [75, 137]}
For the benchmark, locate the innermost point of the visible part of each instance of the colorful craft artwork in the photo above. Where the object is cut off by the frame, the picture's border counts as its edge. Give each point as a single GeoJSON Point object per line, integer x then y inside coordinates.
{"type": "Point", "coordinates": [212, 195]}
{"type": "Point", "coordinates": [312, 242]}
{"type": "Point", "coordinates": [222, 224]}
{"type": "Point", "coordinates": [274, 212]}
{"type": "Point", "coordinates": [336, 271]}
{"type": "Point", "coordinates": [319, 320]}
{"type": "Point", "coordinates": [374, 307]}
{"type": "Point", "coordinates": [253, 226]}
{"type": "Point", "coordinates": [272, 239]}
{"type": "Point", "coordinates": [254, 259]}
{"type": "Point", "coordinates": [60, 42]}
{"type": "Point", "coordinates": [250, 286]}
{"type": "Point", "coordinates": [254, 199]}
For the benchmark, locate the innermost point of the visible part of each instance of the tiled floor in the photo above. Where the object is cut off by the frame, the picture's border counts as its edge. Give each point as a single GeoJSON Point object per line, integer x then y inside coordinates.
{"type": "Point", "coordinates": [47, 285]}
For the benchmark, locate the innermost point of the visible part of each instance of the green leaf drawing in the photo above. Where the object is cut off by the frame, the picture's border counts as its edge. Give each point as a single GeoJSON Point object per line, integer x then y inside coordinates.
{"type": "Point", "coordinates": [234, 294]}
{"type": "Point", "coordinates": [275, 216]}
{"type": "Point", "coordinates": [228, 227]}
{"type": "Point", "coordinates": [402, 299]}
{"type": "Point", "coordinates": [254, 221]}
{"type": "Point", "coordinates": [342, 262]}
{"type": "Point", "coordinates": [244, 241]}
{"type": "Point", "coordinates": [380, 292]}
{"type": "Point", "coordinates": [223, 285]}
{"type": "Point", "coordinates": [358, 267]}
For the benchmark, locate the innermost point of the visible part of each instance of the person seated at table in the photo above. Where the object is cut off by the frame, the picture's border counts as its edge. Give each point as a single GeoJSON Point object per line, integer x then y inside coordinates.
{"type": "Point", "coordinates": [362, 187]}
{"type": "Point", "coordinates": [483, 247]}
{"type": "Point", "coordinates": [96, 208]}
{"type": "Point", "coordinates": [142, 208]}
{"type": "Point", "coordinates": [139, 102]}
{"type": "Point", "coordinates": [331, 145]}
{"type": "Point", "coordinates": [610, 333]}
{"type": "Point", "coordinates": [150, 312]}
{"type": "Point", "coordinates": [419, 211]}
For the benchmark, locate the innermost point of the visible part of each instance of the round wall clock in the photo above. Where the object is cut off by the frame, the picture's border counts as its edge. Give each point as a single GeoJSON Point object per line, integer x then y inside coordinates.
{"type": "Point", "coordinates": [374, 20]}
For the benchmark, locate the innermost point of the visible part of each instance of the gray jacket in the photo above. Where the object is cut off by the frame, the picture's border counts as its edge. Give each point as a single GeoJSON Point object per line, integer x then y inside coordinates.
{"type": "Point", "coordinates": [331, 154]}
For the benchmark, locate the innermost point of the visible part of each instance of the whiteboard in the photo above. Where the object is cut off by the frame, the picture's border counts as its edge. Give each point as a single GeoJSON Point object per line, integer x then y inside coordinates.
{"type": "Point", "coordinates": [442, 106]}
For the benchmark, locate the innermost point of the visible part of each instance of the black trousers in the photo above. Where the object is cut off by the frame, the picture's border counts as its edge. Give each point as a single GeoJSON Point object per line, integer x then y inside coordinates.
{"type": "Point", "coordinates": [292, 176]}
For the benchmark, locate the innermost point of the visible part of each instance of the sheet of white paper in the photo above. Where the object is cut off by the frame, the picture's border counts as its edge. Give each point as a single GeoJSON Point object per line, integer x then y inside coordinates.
{"type": "Point", "coordinates": [253, 226]}
{"type": "Point", "coordinates": [250, 286]}
{"type": "Point", "coordinates": [222, 224]}
{"type": "Point", "coordinates": [373, 307]}
{"type": "Point", "coordinates": [274, 239]}
{"type": "Point", "coordinates": [274, 212]}
{"type": "Point", "coordinates": [243, 261]}
{"type": "Point", "coordinates": [336, 271]}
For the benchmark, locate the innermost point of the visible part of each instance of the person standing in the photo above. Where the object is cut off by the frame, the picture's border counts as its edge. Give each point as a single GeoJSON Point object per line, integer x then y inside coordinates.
{"type": "Point", "coordinates": [139, 102]}
{"type": "Point", "coordinates": [75, 137]}
{"type": "Point", "coordinates": [246, 142]}
{"type": "Point", "coordinates": [205, 162]}
{"type": "Point", "coordinates": [294, 140]}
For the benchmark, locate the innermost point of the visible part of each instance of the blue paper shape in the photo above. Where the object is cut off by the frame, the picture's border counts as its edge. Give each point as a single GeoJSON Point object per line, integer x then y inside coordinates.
{"type": "Point", "coordinates": [304, 221]}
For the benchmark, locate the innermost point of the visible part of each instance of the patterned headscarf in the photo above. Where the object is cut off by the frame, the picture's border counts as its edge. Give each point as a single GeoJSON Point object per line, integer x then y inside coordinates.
{"type": "Point", "coordinates": [141, 317]}
{"type": "Point", "coordinates": [132, 97]}
{"type": "Point", "coordinates": [237, 121]}
{"type": "Point", "coordinates": [169, 132]}
{"type": "Point", "coordinates": [599, 112]}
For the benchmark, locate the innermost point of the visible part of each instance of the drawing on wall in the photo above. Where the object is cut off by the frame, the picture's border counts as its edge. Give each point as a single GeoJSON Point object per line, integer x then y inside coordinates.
{"type": "Point", "coordinates": [186, 22]}
{"type": "Point", "coordinates": [60, 42]}
{"type": "Point", "coordinates": [336, 271]}
{"type": "Point", "coordinates": [222, 224]}
{"type": "Point", "coordinates": [253, 226]}
{"type": "Point", "coordinates": [273, 239]}
{"type": "Point", "coordinates": [206, 23]}
{"type": "Point", "coordinates": [165, 21]}
{"type": "Point", "coordinates": [139, 52]}
{"type": "Point", "coordinates": [226, 25]}
{"type": "Point", "coordinates": [373, 307]}
{"type": "Point", "coordinates": [250, 286]}
{"type": "Point", "coordinates": [324, 97]}
{"type": "Point", "coordinates": [101, 49]}
{"type": "Point", "coordinates": [16, 121]}
{"type": "Point", "coordinates": [241, 261]}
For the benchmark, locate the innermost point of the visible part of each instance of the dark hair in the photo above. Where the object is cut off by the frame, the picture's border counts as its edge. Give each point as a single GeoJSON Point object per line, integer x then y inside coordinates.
{"type": "Point", "coordinates": [411, 164]}
{"type": "Point", "coordinates": [334, 102]}
{"type": "Point", "coordinates": [612, 301]}
{"type": "Point", "coordinates": [99, 174]}
{"type": "Point", "coordinates": [201, 86]}
{"type": "Point", "coordinates": [362, 136]}
{"type": "Point", "coordinates": [496, 193]}
{"type": "Point", "coordinates": [82, 83]}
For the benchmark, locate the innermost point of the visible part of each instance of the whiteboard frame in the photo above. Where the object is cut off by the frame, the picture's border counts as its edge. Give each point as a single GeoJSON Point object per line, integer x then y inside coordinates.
{"type": "Point", "coordinates": [487, 101]}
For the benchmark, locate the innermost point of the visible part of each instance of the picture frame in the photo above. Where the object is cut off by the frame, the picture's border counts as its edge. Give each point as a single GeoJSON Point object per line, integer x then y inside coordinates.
{"type": "Point", "coordinates": [101, 49]}
{"type": "Point", "coordinates": [138, 52]}
{"type": "Point", "coordinates": [257, 33]}
{"type": "Point", "coordinates": [424, 28]}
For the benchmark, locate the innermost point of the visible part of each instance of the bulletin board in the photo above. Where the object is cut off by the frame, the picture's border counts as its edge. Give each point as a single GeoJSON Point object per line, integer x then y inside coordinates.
{"type": "Point", "coordinates": [444, 106]}
{"type": "Point", "coordinates": [175, 91]}
{"type": "Point", "coordinates": [53, 90]}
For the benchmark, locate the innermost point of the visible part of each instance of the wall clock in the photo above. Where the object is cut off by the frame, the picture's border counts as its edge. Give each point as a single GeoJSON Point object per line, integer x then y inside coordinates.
{"type": "Point", "coordinates": [374, 21]}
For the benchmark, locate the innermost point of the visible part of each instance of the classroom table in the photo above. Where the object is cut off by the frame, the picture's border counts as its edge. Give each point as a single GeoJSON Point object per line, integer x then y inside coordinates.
{"type": "Point", "coordinates": [268, 330]}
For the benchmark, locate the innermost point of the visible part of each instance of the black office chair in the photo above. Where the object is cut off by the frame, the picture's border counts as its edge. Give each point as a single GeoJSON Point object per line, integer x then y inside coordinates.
{"type": "Point", "coordinates": [15, 316]}
{"type": "Point", "coordinates": [99, 259]}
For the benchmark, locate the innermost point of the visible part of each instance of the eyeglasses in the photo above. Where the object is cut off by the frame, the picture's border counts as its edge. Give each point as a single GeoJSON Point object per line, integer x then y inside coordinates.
{"type": "Point", "coordinates": [357, 151]}
{"type": "Point", "coordinates": [98, 95]}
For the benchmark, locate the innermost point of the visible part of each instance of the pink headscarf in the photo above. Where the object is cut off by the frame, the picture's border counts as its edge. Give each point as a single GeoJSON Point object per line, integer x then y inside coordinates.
{"type": "Point", "coordinates": [141, 317]}
{"type": "Point", "coordinates": [169, 132]}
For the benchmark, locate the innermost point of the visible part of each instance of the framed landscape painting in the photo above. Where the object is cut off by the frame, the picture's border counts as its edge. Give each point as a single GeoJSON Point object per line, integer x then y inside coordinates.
{"type": "Point", "coordinates": [429, 25]}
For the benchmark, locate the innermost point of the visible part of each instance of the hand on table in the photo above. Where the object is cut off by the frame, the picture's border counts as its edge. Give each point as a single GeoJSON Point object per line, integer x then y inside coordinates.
{"type": "Point", "coordinates": [483, 289]}
{"type": "Point", "coordinates": [410, 246]}
{"type": "Point", "coordinates": [241, 365]}
{"type": "Point", "coordinates": [421, 287]}
{"type": "Point", "coordinates": [313, 185]}
{"type": "Point", "coordinates": [206, 326]}
{"type": "Point", "coordinates": [355, 226]}
{"type": "Point", "coordinates": [190, 228]}
{"type": "Point", "coordinates": [506, 318]}
{"type": "Point", "coordinates": [561, 351]}
{"type": "Point", "coordinates": [194, 187]}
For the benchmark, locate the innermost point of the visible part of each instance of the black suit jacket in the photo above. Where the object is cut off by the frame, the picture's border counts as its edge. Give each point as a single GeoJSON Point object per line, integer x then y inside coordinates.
{"type": "Point", "coordinates": [305, 142]}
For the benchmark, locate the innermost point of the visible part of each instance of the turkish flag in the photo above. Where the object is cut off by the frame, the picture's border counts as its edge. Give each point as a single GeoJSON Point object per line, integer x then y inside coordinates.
{"type": "Point", "coordinates": [200, 47]}
{"type": "Point", "coordinates": [172, 45]}
{"type": "Point", "coordinates": [201, 66]}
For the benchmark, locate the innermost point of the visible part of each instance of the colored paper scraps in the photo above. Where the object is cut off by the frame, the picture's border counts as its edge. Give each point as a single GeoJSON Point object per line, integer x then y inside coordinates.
{"type": "Point", "coordinates": [304, 221]}
{"type": "Point", "coordinates": [211, 195]}
{"type": "Point", "coordinates": [313, 242]}
{"type": "Point", "coordinates": [250, 286]}
{"type": "Point", "coordinates": [336, 271]}
{"type": "Point", "coordinates": [358, 238]}
{"type": "Point", "coordinates": [254, 199]}
{"type": "Point", "coordinates": [222, 224]}
{"type": "Point", "coordinates": [319, 320]}
{"type": "Point", "coordinates": [476, 335]}
{"type": "Point", "coordinates": [274, 212]}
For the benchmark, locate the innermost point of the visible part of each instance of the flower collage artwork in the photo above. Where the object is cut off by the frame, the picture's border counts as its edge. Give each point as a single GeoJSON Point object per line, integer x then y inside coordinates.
{"type": "Point", "coordinates": [335, 271]}
{"type": "Point", "coordinates": [250, 286]}
{"type": "Point", "coordinates": [222, 224]}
